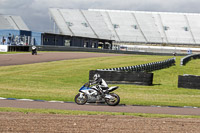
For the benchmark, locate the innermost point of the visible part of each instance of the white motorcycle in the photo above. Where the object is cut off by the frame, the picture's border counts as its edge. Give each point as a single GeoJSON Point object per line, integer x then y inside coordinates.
{"type": "Point", "coordinates": [92, 94]}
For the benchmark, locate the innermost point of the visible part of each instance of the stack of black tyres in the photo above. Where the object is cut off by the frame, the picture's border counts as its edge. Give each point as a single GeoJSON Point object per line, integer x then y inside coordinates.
{"type": "Point", "coordinates": [121, 77]}
{"type": "Point", "coordinates": [189, 81]}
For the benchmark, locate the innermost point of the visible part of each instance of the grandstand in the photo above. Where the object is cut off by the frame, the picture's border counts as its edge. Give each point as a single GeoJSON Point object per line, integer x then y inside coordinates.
{"type": "Point", "coordinates": [8, 22]}
{"type": "Point", "coordinates": [129, 26]}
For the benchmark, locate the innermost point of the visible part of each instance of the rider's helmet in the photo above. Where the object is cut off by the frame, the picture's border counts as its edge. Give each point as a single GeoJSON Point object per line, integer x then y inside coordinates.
{"type": "Point", "coordinates": [96, 77]}
{"type": "Point", "coordinates": [33, 47]}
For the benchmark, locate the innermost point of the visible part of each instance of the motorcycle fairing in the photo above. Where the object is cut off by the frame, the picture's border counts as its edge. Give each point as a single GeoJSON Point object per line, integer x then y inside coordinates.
{"type": "Point", "coordinates": [112, 88]}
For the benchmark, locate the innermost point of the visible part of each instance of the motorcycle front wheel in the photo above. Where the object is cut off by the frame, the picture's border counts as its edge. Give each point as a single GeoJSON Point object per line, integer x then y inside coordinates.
{"type": "Point", "coordinates": [113, 101]}
{"type": "Point", "coordinates": [81, 100]}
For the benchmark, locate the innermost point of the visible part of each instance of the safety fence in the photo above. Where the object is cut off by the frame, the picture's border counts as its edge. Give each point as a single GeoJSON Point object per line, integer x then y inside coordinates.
{"type": "Point", "coordinates": [149, 67]}
{"type": "Point", "coordinates": [187, 58]}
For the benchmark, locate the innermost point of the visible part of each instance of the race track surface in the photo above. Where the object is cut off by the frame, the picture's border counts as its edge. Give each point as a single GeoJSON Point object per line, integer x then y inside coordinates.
{"type": "Point", "coordinates": [99, 107]}
{"type": "Point", "coordinates": [27, 58]}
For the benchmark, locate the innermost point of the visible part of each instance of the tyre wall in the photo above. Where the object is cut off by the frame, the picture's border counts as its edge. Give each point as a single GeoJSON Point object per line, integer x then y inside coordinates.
{"type": "Point", "coordinates": [186, 59]}
{"type": "Point", "coordinates": [115, 77]}
{"type": "Point", "coordinates": [189, 81]}
{"type": "Point", "coordinates": [145, 67]}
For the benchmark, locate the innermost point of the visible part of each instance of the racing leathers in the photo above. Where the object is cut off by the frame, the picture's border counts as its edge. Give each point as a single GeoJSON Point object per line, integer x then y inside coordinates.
{"type": "Point", "coordinates": [101, 85]}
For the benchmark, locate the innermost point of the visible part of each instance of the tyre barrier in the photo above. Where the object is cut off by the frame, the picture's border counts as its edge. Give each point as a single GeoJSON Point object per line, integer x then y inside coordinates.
{"type": "Point", "coordinates": [187, 58]}
{"type": "Point", "coordinates": [122, 77]}
{"type": "Point", "coordinates": [149, 67]}
{"type": "Point", "coordinates": [189, 81]}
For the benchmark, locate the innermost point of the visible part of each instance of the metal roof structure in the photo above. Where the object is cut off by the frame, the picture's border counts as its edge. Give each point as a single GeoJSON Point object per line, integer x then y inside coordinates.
{"type": "Point", "coordinates": [8, 22]}
{"type": "Point", "coordinates": [129, 26]}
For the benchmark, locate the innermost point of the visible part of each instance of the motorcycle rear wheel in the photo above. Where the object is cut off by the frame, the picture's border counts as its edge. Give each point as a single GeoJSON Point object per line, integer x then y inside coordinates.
{"type": "Point", "coordinates": [113, 102]}
{"type": "Point", "coordinates": [79, 100]}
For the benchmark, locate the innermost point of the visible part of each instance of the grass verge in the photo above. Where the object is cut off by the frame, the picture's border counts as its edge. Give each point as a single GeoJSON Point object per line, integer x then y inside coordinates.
{"type": "Point", "coordinates": [60, 80]}
{"type": "Point", "coordinates": [12, 52]}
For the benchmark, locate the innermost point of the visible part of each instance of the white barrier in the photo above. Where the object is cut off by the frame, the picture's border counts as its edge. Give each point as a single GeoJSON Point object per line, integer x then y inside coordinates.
{"type": "Point", "coordinates": [160, 49]}
{"type": "Point", "coordinates": [3, 48]}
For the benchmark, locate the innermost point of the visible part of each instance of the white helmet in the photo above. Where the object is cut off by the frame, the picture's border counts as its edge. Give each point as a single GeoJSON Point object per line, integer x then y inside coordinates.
{"type": "Point", "coordinates": [33, 47]}
{"type": "Point", "coordinates": [96, 77]}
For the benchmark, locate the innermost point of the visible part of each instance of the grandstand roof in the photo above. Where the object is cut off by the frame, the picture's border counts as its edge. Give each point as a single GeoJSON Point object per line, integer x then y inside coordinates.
{"type": "Point", "coordinates": [129, 26]}
{"type": "Point", "coordinates": [12, 22]}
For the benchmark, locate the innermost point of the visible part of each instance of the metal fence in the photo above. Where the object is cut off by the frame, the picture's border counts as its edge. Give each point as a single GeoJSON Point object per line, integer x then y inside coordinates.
{"type": "Point", "coordinates": [157, 49]}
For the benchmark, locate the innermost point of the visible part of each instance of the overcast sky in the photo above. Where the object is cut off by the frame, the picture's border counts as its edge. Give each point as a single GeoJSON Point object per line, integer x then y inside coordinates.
{"type": "Point", "coordinates": [35, 12]}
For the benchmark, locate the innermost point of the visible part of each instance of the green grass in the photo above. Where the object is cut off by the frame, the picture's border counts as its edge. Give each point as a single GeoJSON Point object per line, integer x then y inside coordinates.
{"type": "Point", "coordinates": [12, 52]}
{"type": "Point", "coordinates": [73, 112]}
{"type": "Point", "coordinates": [61, 80]}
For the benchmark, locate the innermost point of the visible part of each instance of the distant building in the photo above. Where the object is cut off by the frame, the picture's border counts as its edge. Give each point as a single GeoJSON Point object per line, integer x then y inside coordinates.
{"type": "Point", "coordinates": [75, 41]}
{"type": "Point", "coordinates": [13, 31]}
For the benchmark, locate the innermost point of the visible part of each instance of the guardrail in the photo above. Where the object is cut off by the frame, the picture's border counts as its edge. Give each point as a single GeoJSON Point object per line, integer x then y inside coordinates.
{"type": "Point", "coordinates": [187, 58]}
{"type": "Point", "coordinates": [149, 67]}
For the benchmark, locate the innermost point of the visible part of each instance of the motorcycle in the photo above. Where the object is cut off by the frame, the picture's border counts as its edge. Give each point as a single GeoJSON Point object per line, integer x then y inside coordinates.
{"type": "Point", "coordinates": [92, 94]}
{"type": "Point", "coordinates": [34, 50]}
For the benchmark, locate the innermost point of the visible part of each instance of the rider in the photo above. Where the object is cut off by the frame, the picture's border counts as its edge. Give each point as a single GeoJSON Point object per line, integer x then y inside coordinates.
{"type": "Point", "coordinates": [101, 83]}
{"type": "Point", "coordinates": [34, 50]}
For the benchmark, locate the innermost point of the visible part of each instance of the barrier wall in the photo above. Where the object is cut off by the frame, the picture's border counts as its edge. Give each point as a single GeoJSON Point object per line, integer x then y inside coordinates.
{"type": "Point", "coordinates": [19, 48]}
{"type": "Point", "coordinates": [189, 81]}
{"type": "Point", "coordinates": [114, 77]}
{"type": "Point", "coordinates": [64, 48]}
{"type": "Point", "coordinates": [3, 48]}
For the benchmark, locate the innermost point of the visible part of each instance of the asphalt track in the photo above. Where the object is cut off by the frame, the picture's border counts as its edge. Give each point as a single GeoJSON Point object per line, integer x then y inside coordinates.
{"type": "Point", "coordinates": [27, 58]}
{"type": "Point", "coordinates": [19, 59]}
{"type": "Point", "coordinates": [99, 107]}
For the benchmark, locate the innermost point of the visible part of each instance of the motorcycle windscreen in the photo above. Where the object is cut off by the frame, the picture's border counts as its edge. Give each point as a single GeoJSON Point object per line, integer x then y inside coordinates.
{"type": "Point", "coordinates": [84, 88]}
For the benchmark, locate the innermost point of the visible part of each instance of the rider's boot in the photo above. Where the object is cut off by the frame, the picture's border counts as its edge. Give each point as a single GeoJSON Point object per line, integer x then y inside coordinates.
{"type": "Point", "coordinates": [106, 92]}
